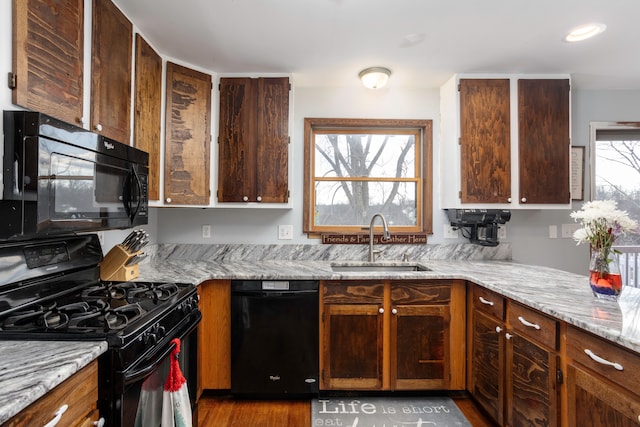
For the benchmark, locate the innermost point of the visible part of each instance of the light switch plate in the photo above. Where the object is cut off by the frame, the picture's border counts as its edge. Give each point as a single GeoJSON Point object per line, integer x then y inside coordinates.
{"type": "Point", "coordinates": [450, 233]}
{"type": "Point", "coordinates": [285, 232]}
{"type": "Point", "coordinates": [567, 230]}
{"type": "Point", "coordinates": [206, 231]}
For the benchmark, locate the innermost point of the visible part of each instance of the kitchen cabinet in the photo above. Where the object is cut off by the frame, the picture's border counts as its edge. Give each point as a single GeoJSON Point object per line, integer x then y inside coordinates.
{"type": "Point", "coordinates": [147, 114]}
{"type": "Point", "coordinates": [187, 136]}
{"type": "Point", "coordinates": [514, 363]}
{"type": "Point", "coordinates": [253, 140]}
{"type": "Point", "coordinates": [214, 336]}
{"type": "Point", "coordinates": [79, 392]}
{"type": "Point", "coordinates": [602, 382]}
{"type": "Point", "coordinates": [392, 335]}
{"type": "Point", "coordinates": [112, 40]}
{"type": "Point", "coordinates": [506, 142]}
{"type": "Point", "coordinates": [48, 57]}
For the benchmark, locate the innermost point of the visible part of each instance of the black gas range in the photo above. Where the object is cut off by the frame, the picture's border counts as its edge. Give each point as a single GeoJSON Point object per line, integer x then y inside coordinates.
{"type": "Point", "coordinates": [50, 289]}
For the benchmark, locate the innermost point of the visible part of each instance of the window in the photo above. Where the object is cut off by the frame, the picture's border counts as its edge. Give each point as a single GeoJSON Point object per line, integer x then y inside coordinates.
{"type": "Point", "coordinates": [616, 168]}
{"type": "Point", "coordinates": [355, 168]}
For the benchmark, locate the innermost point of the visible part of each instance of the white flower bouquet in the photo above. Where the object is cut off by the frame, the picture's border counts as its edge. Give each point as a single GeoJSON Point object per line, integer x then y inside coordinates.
{"type": "Point", "coordinates": [602, 223]}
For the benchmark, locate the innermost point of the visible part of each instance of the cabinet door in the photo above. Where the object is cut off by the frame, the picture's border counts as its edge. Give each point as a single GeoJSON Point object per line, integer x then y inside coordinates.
{"type": "Point", "coordinates": [48, 52]}
{"type": "Point", "coordinates": [253, 140]}
{"type": "Point", "coordinates": [214, 336]}
{"type": "Point", "coordinates": [531, 392]}
{"type": "Point", "coordinates": [487, 365]}
{"type": "Point", "coordinates": [188, 136]}
{"type": "Point", "coordinates": [543, 140]}
{"type": "Point", "coordinates": [593, 401]}
{"type": "Point", "coordinates": [112, 40]}
{"type": "Point", "coordinates": [352, 347]}
{"type": "Point", "coordinates": [420, 347]}
{"type": "Point", "coordinates": [485, 141]}
{"type": "Point", "coordinates": [146, 130]}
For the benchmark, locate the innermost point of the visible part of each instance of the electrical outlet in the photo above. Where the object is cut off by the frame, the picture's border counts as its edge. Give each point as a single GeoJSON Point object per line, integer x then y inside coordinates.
{"type": "Point", "coordinates": [553, 231]}
{"type": "Point", "coordinates": [502, 232]}
{"type": "Point", "coordinates": [285, 232]}
{"type": "Point", "coordinates": [206, 231]}
{"type": "Point", "coordinates": [450, 232]}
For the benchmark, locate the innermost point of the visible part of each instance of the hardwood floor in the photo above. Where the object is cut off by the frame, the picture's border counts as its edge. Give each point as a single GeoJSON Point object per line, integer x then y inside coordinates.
{"type": "Point", "coordinates": [214, 411]}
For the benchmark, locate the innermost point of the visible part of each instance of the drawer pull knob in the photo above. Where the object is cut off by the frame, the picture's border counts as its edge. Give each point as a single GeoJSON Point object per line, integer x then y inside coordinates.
{"type": "Point", "coordinates": [508, 336]}
{"type": "Point", "coordinates": [485, 301]}
{"type": "Point", "coordinates": [498, 329]}
{"type": "Point", "coordinates": [394, 311]}
{"type": "Point", "coordinates": [381, 310]}
{"type": "Point", "coordinates": [58, 416]}
{"type": "Point", "coordinates": [602, 361]}
{"type": "Point", "coordinates": [99, 423]}
{"type": "Point", "coordinates": [528, 324]}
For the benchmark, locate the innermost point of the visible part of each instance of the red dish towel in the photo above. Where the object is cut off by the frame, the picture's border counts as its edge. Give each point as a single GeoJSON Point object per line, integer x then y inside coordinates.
{"type": "Point", "coordinates": [176, 406]}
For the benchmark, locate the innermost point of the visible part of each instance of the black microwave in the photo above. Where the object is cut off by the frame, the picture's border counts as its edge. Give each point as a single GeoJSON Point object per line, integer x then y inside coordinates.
{"type": "Point", "coordinates": [60, 178]}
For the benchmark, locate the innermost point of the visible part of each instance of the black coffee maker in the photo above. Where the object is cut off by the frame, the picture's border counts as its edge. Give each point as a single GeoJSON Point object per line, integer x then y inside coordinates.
{"type": "Point", "coordinates": [480, 226]}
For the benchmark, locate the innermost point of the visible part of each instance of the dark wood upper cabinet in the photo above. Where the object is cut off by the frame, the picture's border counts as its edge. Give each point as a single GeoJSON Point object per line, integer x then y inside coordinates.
{"type": "Point", "coordinates": [111, 72]}
{"type": "Point", "coordinates": [147, 110]}
{"type": "Point", "coordinates": [544, 140]}
{"type": "Point", "coordinates": [48, 43]}
{"type": "Point", "coordinates": [253, 140]}
{"type": "Point", "coordinates": [188, 136]}
{"type": "Point", "coordinates": [485, 140]}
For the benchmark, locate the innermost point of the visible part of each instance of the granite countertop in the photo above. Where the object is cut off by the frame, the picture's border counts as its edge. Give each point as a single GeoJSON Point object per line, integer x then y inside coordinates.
{"type": "Point", "coordinates": [30, 369]}
{"type": "Point", "coordinates": [563, 295]}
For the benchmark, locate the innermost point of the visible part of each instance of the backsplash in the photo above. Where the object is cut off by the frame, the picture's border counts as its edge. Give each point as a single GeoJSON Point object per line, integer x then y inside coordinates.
{"type": "Point", "coordinates": [247, 252]}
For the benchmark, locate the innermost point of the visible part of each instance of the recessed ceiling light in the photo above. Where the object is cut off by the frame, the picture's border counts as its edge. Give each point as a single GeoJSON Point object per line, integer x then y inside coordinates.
{"type": "Point", "coordinates": [584, 32]}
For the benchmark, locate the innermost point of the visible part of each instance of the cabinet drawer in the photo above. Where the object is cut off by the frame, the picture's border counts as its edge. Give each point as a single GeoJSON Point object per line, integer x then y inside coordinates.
{"type": "Point", "coordinates": [488, 302]}
{"type": "Point", "coordinates": [353, 292]}
{"type": "Point", "coordinates": [605, 358]}
{"type": "Point", "coordinates": [533, 324]}
{"type": "Point", "coordinates": [420, 293]}
{"type": "Point", "coordinates": [80, 393]}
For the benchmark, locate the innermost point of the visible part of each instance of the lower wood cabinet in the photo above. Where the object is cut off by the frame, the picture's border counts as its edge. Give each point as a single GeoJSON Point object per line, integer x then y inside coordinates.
{"type": "Point", "coordinates": [602, 382]}
{"type": "Point", "coordinates": [392, 335]}
{"type": "Point", "coordinates": [79, 393]}
{"type": "Point", "coordinates": [514, 363]}
{"type": "Point", "coordinates": [214, 336]}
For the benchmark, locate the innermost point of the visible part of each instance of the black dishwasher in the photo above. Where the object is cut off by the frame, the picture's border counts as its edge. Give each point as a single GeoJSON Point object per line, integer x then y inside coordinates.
{"type": "Point", "coordinates": [274, 338]}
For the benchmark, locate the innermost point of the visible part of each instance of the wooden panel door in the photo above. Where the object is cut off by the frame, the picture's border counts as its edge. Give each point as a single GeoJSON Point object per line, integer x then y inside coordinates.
{"type": "Point", "coordinates": [543, 140]}
{"type": "Point", "coordinates": [272, 185]}
{"type": "Point", "coordinates": [531, 391]}
{"type": "Point", "coordinates": [188, 136]}
{"type": "Point", "coordinates": [487, 364]}
{"type": "Point", "coordinates": [352, 347]}
{"type": "Point", "coordinates": [485, 141]}
{"type": "Point", "coordinates": [592, 401]}
{"type": "Point", "coordinates": [48, 57]}
{"type": "Point", "coordinates": [253, 140]}
{"type": "Point", "coordinates": [112, 40]}
{"type": "Point", "coordinates": [214, 336]}
{"type": "Point", "coordinates": [147, 114]}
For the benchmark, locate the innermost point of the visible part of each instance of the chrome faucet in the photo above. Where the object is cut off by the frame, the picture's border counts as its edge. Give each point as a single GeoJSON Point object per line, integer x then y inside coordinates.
{"type": "Point", "coordinates": [386, 235]}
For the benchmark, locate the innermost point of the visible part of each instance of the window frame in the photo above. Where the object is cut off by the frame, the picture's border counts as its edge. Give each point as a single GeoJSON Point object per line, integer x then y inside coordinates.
{"type": "Point", "coordinates": [424, 155]}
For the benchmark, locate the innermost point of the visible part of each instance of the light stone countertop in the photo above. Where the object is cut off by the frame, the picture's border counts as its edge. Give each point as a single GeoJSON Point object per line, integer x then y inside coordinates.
{"type": "Point", "coordinates": [30, 369]}
{"type": "Point", "coordinates": [563, 295]}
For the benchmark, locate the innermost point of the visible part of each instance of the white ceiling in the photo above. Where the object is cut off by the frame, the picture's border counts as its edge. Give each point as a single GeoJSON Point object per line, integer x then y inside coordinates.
{"type": "Point", "coordinates": [327, 42]}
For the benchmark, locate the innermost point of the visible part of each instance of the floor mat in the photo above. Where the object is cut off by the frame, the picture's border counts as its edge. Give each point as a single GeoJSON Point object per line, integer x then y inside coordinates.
{"type": "Point", "coordinates": [387, 412]}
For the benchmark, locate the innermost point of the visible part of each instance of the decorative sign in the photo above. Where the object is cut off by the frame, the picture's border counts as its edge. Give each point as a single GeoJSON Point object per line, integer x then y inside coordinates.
{"type": "Point", "coordinates": [363, 239]}
{"type": "Point", "coordinates": [390, 412]}
{"type": "Point", "coordinates": [577, 173]}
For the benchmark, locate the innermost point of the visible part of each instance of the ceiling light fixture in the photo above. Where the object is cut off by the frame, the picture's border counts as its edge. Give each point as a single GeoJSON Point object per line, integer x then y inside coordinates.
{"type": "Point", "coordinates": [584, 32]}
{"type": "Point", "coordinates": [374, 77]}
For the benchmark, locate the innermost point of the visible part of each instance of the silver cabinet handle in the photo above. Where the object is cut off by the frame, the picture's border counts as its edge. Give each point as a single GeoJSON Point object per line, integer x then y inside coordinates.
{"type": "Point", "coordinates": [245, 199]}
{"type": "Point", "coordinates": [602, 361]}
{"type": "Point", "coordinates": [486, 301]}
{"type": "Point", "coordinates": [498, 329]}
{"type": "Point", "coordinates": [381, 310]}
{"type": "Point", "coordinates": [58, 416]}
{"type": "Point", "coordinates": [508, 336]}
{"type": "Point", "coordinates": [523, 200]}
{"type": "Point", "coordinates": [528, 324]}
{"type": "Point", "coordinates": [168, 199]}
{"type": "Point", "coordinates": [259, 198]}
{"type": "Point", "coordinates": [394, 311]}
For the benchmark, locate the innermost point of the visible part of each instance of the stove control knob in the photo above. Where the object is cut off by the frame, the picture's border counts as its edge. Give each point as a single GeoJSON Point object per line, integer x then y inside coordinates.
{"type": "Point", "coordinates": [161, 331]}
{"type": "Point", "coordinates": [150, 338]}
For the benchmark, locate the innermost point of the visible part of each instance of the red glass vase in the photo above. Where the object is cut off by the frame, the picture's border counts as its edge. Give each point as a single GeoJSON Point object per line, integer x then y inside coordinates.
{"type": "Point", "coordinates": [604, 274]}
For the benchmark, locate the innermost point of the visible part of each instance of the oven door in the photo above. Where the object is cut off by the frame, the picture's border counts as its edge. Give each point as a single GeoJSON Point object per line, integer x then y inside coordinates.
{"type": "Point", "coordinates": [137, 399]}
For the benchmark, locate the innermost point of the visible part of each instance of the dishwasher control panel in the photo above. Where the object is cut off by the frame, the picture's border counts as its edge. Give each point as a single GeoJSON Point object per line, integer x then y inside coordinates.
{"type": "Point", "coordinates": [275, 285]}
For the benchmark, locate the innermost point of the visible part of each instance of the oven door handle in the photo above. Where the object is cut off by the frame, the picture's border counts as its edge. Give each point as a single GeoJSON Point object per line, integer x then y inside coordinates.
{"type": "Point", "coordinates": [148, 367]}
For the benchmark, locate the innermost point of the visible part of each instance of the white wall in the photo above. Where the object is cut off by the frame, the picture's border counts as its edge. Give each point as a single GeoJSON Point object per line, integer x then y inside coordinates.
{"type": "Point", "coordinates": [527, 231]}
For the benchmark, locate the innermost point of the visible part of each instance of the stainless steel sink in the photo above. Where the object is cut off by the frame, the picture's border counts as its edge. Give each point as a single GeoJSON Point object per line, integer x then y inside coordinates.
{"type": "Point", "coordinates": [363, 267]}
